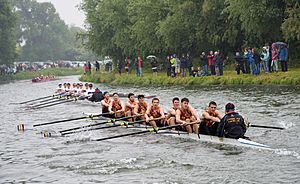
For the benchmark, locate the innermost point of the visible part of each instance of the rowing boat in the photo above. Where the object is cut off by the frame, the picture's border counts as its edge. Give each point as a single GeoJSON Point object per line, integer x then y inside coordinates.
{"type": "Point", "coordinates": [203, 138]}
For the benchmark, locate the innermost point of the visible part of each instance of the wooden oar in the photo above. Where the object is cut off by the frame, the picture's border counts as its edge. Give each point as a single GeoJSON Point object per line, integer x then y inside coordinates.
{"type": "Point", "coordinates": [52, 101]}
{"type": "Point", "coordinates": [124, 123]}
{"type": "Point", "coordinates": [263, 126]}
{"type": "Point", "coordinates": [96, 124]}
{"type": "Point", "coordinates": [37, 99]}
{"type": "Point", "coordinates": [72, 119]}
{"type": "Point", "coordinates": [53, 104]}
{"type": "Point", "coordinates": [53, 98]}
{"type": "Point", "coordinates": [151, 130]}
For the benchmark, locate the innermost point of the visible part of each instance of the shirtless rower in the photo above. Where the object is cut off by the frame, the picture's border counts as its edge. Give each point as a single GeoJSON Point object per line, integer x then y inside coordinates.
{"type": "Point", "coordinates": [140, 108]}
{"type": "Point", "coordinates": [129, 106]}
{"type": "Point", "coordinates": [187, 114]}
{"type": "Point", "coordinates": [171, 117]}
{"type": "Point", "coordinates": [155, 111]}
{"type": "Point", "coordinates": [106, 103]}
{"type": "Point", "coordinates": [117, 106]}
{"type": "Point", "coordinates": [210, 120]}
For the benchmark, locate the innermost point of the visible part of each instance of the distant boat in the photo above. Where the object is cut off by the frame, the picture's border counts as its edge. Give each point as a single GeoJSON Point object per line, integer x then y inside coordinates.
{"type": "Point", "coordinates": [43, 79]}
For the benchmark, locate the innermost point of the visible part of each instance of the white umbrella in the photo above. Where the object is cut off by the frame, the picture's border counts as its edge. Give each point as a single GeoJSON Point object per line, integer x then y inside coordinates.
{"type": "Point", "coordinates": [150, 56]}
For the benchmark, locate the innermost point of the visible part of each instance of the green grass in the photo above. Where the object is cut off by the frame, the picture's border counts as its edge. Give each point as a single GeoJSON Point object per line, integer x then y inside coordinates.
{"type": "Point", "coordinates": [292, 77]}
{"type": "Point", "coordinates": [50, 71]}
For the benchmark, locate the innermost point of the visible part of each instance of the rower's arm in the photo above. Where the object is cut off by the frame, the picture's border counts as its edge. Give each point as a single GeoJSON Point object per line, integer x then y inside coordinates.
{"type": "Point", "coordinates": [110, 107]}
{"type": "Point", "coordinates": [128, 104]}
{"type": "Point", "coordinates": [195, 114]}
{"type": "Point", "coordinates": [104, 103]}
{"type": "Point", "coordinates": [147, 112]}
{"type": "Point", "coordinates": [135, 110]}
{"type": "Point", "coordinates": [178, 120]}
{"type": "Point", "coordinates": [207, 116]}
{"type": "Point", "coordinates": [162, 113]}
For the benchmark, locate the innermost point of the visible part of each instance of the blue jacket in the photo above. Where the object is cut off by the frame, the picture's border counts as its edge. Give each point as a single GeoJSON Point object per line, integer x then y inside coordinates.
{"type": "Point", "coordinates": [283, 54]}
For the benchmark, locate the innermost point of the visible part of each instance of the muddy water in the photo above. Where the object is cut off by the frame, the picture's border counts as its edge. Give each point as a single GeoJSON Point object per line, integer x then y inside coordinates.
{"type": "Point", "coordinates": [28, 157]}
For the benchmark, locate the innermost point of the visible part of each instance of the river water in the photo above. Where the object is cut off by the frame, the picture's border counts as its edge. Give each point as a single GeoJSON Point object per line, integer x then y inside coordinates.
{"type": "Point", "coordinates": [28, 157]}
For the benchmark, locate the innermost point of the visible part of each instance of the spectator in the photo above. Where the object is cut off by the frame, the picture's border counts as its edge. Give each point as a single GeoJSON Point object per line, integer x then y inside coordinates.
{"type": "Point", "coordinates": [90, 67]}
{"type": "Point", "coordinates": [204, 63]}
{"type": "Point", "coordinates": [216, 61]}
{"type": "Point", "coordinates": [177, 66]}
{"type": "Point", "coordinates": [183, 65]}
{"type": "Point", "coordinates": [154, 65]}
{"type": "Point", "coordinates": [239, 63]}
{"type": "Point", "coordinates": [139, 66]}
{"type": "Point", "coordinates": [252, 62]}
{"type": "Point", "coordinates": [97, 66]}
{"type": "Point", "coordinates": [265, 56]}
{"type": "Point", "coordinates": [211, 63]}
{"type": "Point", "coordinates": [127, 65]}
{"type": "Point", "coordinates": [86, 69]}
{"type": "Point", "coordinates": [173, 62]}
{"type": "Point", "coordinates": [269, 50]}
{"type": "Point", "coordinates": [119, 66]}
{"type": "Point", "coordinates": [274, 58]}
{"type": "Point", "coordinates": [168, 66]}
{"type": "Point", "coordinates": [247, 60]}
{"type": "Point", "coordinates": [283, 57]}
{"type": "Point", "coordinates": [256, 60]}
{"type": "Point", "coordinates": [189, 64]}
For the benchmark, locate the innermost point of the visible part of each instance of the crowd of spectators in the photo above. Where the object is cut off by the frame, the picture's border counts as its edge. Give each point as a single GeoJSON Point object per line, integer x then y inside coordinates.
{"type": "Point", "coordinates": [251, 61]}
{"type": "Point", "coordinates": [255, 62]}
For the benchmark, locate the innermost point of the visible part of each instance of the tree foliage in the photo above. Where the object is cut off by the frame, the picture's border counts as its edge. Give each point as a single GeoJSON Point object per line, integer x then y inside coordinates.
{"type": "Point", "coordinates": [7, 33]}
{"type": "Point", "coordinates": [126, 27]}
{"type": "Point", "coordinates": [45, 36]}
{"type": "Point", "coordinates": [41, 30]}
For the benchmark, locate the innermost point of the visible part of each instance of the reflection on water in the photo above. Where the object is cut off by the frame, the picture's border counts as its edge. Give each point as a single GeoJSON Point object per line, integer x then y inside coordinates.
{"type": "Point", "coordinates": [28, 157]}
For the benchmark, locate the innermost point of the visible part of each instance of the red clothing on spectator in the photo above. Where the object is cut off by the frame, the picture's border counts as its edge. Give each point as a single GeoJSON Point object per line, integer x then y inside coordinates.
{"type": "Point", "coordinates": [140, 63]}
{"type": "Point", "coordinates": [86, 68]}
{"type": "Point", "coordinates": [210, 60]}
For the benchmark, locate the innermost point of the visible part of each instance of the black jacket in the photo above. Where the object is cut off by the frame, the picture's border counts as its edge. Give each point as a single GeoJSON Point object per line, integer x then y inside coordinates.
{"type": "Point", "coordinates": [232, 125]}
{"type": "Point", "coordinates": [96, 97]}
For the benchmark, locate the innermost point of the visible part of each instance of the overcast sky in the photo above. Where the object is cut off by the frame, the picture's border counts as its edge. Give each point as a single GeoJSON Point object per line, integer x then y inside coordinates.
{"type": "Point", "coordinates": [68, 11]}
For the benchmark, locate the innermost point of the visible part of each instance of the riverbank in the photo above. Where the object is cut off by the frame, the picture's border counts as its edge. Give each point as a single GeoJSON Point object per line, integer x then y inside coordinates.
{"type": "Point", "coordinates": [50, 71]}
{"type": "Point", "coordinates": [291, 77]}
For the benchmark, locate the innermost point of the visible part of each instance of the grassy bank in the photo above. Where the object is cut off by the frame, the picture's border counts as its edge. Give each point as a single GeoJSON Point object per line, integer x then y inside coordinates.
{"type": "Point", "coordinates": [291, 77]}
{"type": "Point", "coordinates": [49, 71]}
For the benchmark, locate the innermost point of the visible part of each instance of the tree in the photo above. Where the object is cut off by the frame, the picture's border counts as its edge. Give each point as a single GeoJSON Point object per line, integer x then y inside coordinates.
{"type": "Point", "coordinates": [7, 33]}
{"type": "Point", "coordinates": [108, 27]}
{"type": "Point", "coordinates": [130, 27]}
{"type": "Point", "coordinates": [291, 27]}
{"type": "Point", "coordinates": [260, 20]}
{"type": "Point", "coordinates": [41, 30]}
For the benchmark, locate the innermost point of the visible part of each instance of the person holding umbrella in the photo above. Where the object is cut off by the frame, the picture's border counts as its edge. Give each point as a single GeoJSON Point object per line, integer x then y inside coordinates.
{"type": "Point", "coordinates": [154, 64]}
